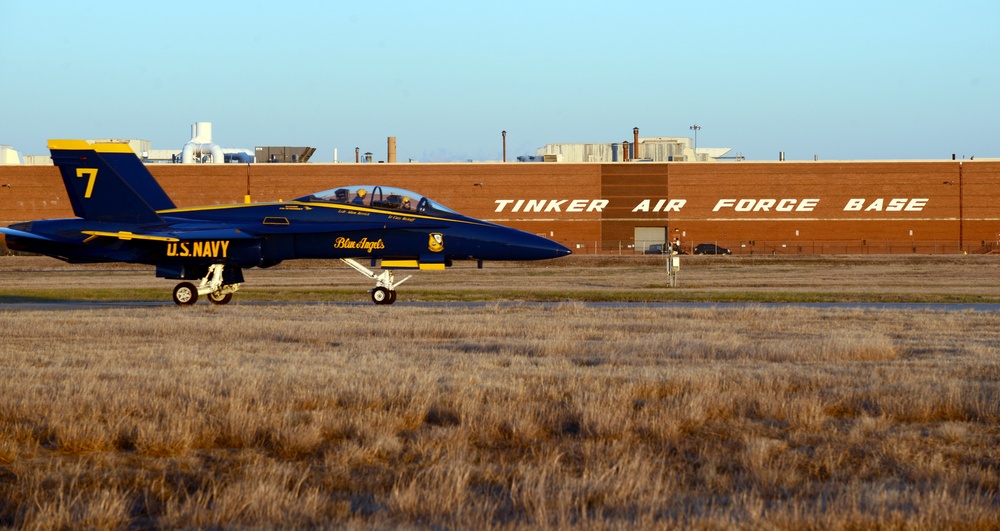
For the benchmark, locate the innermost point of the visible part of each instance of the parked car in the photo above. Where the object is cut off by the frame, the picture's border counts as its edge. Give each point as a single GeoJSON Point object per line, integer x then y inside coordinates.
{"type": "Point", "coordinates": [657, 248]}
{"type": "Point", "coordinates": [710, 248]}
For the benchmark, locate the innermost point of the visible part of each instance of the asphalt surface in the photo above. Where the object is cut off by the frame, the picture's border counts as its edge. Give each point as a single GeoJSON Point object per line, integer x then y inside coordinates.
{"type": "Point", "coordinates": [901, 306]}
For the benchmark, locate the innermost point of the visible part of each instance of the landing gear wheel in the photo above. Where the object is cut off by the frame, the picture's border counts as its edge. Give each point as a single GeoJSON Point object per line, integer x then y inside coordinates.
{"type": "Point", "coordinates": [185, 294]}
{"type": "Point", "coordinates": [385, 290]}
{"type": "Point", "coordinates": [218, 298]}
{"type": "Point", "coordinates": [382, 295]}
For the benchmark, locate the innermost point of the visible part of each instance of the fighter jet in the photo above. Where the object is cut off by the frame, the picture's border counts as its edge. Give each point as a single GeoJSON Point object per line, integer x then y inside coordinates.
{"type": "Point", "coordinates": [123, 215]}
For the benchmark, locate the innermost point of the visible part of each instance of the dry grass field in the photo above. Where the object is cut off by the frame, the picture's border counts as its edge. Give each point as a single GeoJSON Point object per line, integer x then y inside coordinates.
{"type": "Point", "coordinates": [505, 415]}
{"type": "Point", "coordinates": [917, 278]}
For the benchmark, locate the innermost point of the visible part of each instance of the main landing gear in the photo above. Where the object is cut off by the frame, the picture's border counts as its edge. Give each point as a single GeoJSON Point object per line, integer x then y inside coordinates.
{"type": "Point", "coordinates": [384, 291]}
{"type": "Point", "coordinates": [187, 293]}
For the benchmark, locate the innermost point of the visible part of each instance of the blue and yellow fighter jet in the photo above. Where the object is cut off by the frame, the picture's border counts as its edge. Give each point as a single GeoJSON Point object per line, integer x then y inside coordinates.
{"type": "Point", "coordinates": [123, 215]}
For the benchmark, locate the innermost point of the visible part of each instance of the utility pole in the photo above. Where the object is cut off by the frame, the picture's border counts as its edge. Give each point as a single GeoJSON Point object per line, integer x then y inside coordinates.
{"type": "Point", "coordinates": [695, 128]}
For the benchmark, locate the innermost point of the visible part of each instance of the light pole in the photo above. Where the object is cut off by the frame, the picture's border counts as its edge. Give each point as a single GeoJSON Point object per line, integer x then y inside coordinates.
{"type": "Point", "coordinates": [695, 128]}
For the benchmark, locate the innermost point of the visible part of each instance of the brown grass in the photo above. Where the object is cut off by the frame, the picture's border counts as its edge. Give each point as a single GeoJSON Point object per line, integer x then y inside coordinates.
{"type": "Point", "coordinates": [918, 278]}
{"type": "Point", "coordinates": [499, 416]}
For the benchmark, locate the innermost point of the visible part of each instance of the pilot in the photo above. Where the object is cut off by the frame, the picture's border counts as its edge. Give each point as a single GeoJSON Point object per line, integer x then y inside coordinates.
{"type": "Point", "coordinates": [360, 198]}
{"type": "Point", "coordinates": [406, 204]}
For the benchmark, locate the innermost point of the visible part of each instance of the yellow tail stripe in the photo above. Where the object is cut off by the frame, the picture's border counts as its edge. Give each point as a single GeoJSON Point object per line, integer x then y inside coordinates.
{"type": "Point", "coordinates": [84, 145]}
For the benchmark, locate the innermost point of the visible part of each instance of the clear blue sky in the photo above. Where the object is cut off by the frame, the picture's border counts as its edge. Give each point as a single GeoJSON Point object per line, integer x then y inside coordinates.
{"type": "Point", "coordinates": [849, 79]}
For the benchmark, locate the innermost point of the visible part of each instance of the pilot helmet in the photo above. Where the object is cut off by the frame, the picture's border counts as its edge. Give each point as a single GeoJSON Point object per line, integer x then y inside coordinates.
{"type": "Point", "coordinates": [362, 192]}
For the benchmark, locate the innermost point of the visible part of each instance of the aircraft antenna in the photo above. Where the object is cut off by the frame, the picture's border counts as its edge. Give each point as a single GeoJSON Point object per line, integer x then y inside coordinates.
{"type": "Point", "coordinates": [246, 198]}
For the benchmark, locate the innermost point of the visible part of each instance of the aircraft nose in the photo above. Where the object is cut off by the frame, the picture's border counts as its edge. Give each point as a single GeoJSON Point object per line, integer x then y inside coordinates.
{"type": "Point", "coordinates": [496, 242]}
{"type": "Point", "coordinates": [560, 250]}
{"type": "Point", "coordinates": [532, 247]}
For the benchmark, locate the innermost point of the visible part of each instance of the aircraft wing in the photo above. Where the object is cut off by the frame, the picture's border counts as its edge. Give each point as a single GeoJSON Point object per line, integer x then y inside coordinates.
{"type": "Point", "coordinates": [173, 235]}
{"type": "Point", "coordinates": [127, 236]}
{"type": "Point", "coordinates": [212, 234]}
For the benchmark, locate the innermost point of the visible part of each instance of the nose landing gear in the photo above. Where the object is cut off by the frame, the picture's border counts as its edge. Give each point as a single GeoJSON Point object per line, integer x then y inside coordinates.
{"type": "Point", "coordinates": [382, 295]}
{"type": "Point", "coordinates": [385, 283]}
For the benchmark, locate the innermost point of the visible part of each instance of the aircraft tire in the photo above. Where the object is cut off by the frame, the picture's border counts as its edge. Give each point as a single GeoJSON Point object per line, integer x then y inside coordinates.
{"type": "Point", "coordinates": [185, 294]}
{"type": "Point", "coordinates": [381, 295]}
{"type": "Point", "coordinates": [217, 298]}
{"type": "Point", "coordinates": [392, 297]}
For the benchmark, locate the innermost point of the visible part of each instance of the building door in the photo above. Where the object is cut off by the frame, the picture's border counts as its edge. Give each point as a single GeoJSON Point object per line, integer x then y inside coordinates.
{"type": "Point", "coordinates": [646, 236]}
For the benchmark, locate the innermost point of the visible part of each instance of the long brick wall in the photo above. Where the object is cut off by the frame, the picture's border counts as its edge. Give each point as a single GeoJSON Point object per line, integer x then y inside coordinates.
{"type": "Point", "coordinates": [753, 207]}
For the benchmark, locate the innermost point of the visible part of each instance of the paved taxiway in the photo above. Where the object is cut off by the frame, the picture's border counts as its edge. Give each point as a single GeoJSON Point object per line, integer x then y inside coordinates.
{"type": "Point", "coordinates": [897, 306]}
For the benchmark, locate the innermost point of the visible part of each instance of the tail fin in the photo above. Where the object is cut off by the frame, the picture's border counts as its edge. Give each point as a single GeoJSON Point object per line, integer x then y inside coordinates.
{"type": "Point", "coordinates": [108, 182]}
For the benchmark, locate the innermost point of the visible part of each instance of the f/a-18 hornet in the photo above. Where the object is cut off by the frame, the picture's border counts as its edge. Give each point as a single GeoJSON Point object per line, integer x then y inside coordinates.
{"type": "Point", "coordinates": [123, 215]}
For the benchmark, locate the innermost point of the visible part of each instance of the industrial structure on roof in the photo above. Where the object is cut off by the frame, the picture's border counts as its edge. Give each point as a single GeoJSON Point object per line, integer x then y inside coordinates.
{"type": "Point", "coordinates": [202, 149]}
{"type": "Point", "coordinates": [655, 149]}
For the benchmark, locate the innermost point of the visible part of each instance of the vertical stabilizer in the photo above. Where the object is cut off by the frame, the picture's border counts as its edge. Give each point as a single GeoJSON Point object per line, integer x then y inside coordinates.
{"type": "Point", "coordinates": [108, 182]}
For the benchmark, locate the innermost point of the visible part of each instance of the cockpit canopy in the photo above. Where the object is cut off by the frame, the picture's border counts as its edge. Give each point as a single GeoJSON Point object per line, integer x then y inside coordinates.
{"type": "Point", "coordinates": [383, 197]}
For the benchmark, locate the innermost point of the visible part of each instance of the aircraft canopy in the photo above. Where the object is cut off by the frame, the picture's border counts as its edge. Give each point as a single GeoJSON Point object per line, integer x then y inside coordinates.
{"type": "Point", "coordinates": [384, 197]}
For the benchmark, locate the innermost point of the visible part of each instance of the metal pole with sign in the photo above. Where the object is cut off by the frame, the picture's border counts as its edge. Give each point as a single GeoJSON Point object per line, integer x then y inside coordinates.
{"type": "Point", "coordinates": [673, 267]}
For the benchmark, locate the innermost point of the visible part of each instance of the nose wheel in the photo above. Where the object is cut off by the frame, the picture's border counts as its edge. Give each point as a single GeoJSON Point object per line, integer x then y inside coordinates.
{"type": "Point", "coordinates": [383, 296]}
{"type": "Point", "coordinates": [385, 283]}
